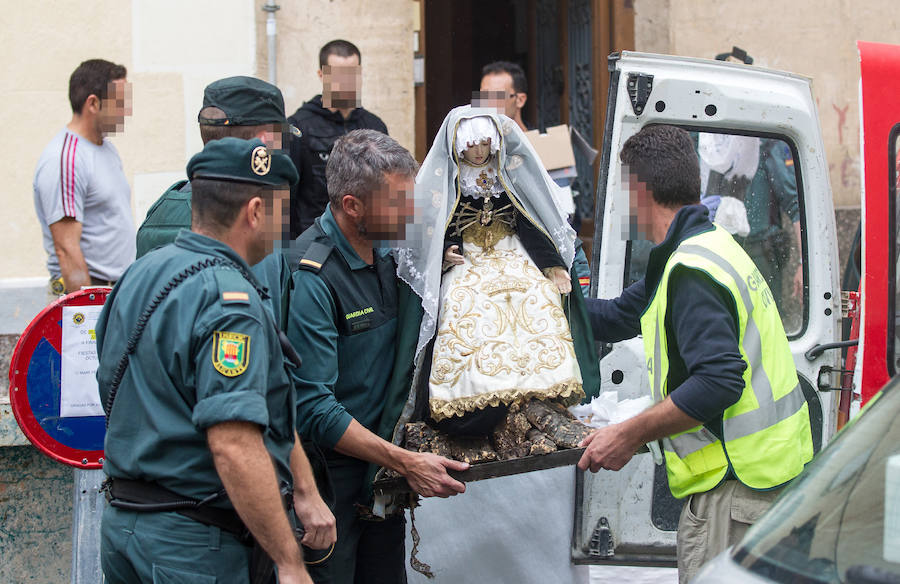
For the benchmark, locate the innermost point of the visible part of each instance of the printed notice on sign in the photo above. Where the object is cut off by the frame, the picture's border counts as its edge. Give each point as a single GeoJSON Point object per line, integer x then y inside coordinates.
{"type": "Point", "coordinates": [79, 395]}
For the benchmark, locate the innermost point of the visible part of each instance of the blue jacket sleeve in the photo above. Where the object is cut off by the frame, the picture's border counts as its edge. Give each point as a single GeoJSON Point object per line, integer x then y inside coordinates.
{"type": "Point", "coordinates": [706, 338]}
{"type": "Point", "coordinates": [313, 333]}
{"type": "Point", "coordinates": [620, 318]}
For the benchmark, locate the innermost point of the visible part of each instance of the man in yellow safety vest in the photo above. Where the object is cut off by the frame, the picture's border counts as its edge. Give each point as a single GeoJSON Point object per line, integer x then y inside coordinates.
{"type": "Point", "coordinates": [729, 409]}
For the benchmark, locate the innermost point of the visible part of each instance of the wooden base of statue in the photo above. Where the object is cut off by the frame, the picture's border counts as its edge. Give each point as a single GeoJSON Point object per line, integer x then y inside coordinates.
{"type": "Point", "coordinates": [536, 427]}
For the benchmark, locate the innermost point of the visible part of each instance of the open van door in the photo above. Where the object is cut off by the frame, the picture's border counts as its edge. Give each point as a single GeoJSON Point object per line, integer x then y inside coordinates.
{"type": "Point", "coordinates": [878, 359]}
{"type": "Point", "coordinates": [764, 122]}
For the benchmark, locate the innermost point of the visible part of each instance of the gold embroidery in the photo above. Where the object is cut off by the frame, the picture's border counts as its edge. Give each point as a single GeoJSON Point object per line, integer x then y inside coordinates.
{"type": "Point", "coordinates": [501, 319]}
{"type": "Point", "coordinates": [568, 393]}
{"type": "Point", "coordinates": [486, 236]}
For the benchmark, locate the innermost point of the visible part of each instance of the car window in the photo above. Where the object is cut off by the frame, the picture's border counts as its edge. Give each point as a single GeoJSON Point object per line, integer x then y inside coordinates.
{"type": "Point", "coordinates": [750, 185]}
{"type": "Point", "coordinates": [830, 526]}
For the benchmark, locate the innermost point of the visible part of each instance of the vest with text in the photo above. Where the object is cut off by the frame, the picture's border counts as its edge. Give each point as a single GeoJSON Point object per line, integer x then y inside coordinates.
{"type": "Point", "coordinates": [766, 434]}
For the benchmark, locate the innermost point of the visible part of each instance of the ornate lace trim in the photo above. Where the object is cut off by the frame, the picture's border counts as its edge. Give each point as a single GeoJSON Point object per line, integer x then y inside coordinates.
{"type": "Point", "coordinates": [470, 180]}
{"type": "Point", "coordinates": [568, 392]}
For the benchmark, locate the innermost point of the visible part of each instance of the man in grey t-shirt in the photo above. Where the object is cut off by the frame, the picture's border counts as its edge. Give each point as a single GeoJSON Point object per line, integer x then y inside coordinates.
{"type": "Point", "coordinates": [81, 195]}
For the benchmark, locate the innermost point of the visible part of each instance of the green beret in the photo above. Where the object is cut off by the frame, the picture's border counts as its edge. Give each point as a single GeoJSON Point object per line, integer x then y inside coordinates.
{"type": "Point", "coordinates": [247, 161]}
{"type": "Point", "coordinates": [246, 101]}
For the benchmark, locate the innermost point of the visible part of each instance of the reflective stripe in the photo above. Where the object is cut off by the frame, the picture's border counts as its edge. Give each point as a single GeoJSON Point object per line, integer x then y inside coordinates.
{"type": "Point", "coordinates": [686, 444]}
{"type": "Point", "coordinates": [756, 420]}
{"type": "Point", "coordinates": [759, 380]}
{"type": "Point", "coordinates": [657, 359]}
{"type": "Point", "coordinates": [769, 412]}
{"type": "Point", "coordinates": [737, 427]}
{"type": "Point", "coordinates": [764, 440]}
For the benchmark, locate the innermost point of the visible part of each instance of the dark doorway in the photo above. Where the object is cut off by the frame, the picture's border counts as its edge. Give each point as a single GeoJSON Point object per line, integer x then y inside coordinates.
{"type": "Point", "coordinates": [463, 36]}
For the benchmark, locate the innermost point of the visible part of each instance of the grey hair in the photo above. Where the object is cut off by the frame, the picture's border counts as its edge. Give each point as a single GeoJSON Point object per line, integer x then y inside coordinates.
{"type": "Point", "coordinates": [359, 162]}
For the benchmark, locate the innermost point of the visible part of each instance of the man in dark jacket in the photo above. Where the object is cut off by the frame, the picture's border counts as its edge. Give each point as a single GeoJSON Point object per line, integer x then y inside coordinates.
{"type": "Point", "coordinates": [322, 120]}
{"type": "Point", "coordinates": [730, 411]}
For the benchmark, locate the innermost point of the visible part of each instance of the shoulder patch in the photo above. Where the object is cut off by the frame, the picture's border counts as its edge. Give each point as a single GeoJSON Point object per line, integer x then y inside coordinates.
{"type": "Point", "coordinates": [315, 256]}
{"type": "Point", "coordinates": [230, 353]}
{"type": "Point", "coordinates": [233, 288]}
{"type": "Point", "coordinates": [236, 297]}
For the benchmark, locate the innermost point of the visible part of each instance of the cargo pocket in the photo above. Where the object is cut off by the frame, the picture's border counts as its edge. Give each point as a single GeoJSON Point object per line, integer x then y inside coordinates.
{"type": "Point", "coordinates": [747, 505]}
{"type": "Point", "coordinates": [691, 539]}
{"type": "Point", "coordinates": [167, 575]}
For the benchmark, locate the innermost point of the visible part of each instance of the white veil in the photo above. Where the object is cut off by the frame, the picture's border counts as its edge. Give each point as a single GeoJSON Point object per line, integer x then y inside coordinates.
{"type": "Point", "coordinates": [436, 194]}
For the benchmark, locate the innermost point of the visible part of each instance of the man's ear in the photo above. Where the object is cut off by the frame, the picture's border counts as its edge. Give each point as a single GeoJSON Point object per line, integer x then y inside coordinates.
{"type": "Point", "coordinates": [352, 206]}
{"type": "Point", "coordinates": [521, 98]}
{"type": "Point", "coordinates": [319, 73]}
{"type": "Point", "coordinates": [92, 104]}
{"type": "Point", "coordinates": [256, 212]}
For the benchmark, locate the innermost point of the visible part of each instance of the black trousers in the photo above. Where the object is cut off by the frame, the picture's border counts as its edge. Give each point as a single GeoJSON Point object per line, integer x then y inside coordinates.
{"type": "Point", "coordinates": [366, 552]}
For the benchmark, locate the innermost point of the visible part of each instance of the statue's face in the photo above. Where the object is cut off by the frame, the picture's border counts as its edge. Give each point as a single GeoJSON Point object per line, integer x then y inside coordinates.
{"type": "Point", "coordinates": [479, 153]}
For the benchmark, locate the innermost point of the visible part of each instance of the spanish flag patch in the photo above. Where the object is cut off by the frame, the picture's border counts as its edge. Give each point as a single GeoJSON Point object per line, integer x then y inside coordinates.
{"type": "Point", "coordinates": [584, 280]}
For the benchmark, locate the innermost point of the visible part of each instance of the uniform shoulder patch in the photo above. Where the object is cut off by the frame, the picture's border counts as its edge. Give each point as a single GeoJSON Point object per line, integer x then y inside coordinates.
{"type": "Point", "coordinates": [233, 288]}
{"type": "Point", "coordinates": [314, 256]}
{"type": "Point", "coordinates": [235, 297]}
{"type": "Point", "coordinates": [230, 353]}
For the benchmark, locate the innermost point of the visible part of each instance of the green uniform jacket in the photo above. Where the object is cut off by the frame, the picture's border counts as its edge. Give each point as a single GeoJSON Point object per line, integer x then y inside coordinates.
{"type": "Point", "coordinates": [773, 189]}
{"type": "Point", "coordinates": [346, 339]}
{"type": "Point", "coordinates": [209, 354]}
{"type": "Point", "coordinates": [166, 217]}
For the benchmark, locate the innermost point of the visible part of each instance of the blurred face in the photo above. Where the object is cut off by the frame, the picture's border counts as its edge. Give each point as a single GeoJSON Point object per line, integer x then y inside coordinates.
{"type": "Point", "coordinates": [497, 92]}
{"type": "Point", "coordinates": [389, 210]}
{"type": "Point", "coordinates": [272, 136]}
{"type": "Point", "coordinates": [639, 202]}
{"type": "Point", "coordinates": [116, 107]}
{"type": "Point", "coordinates": [479, 153]}
{"type": "Point", "coordinates": [341, 82]}
{"type": "Point", "coordinates": [273, 225]}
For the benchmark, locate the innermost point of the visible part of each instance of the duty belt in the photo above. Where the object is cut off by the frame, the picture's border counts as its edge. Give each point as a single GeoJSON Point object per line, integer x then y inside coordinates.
{"type": "Point", "coordinates": [147, 497]}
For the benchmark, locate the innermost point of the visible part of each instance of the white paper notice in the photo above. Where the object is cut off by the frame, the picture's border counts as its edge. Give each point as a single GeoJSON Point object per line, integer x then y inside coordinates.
{"type": "Point", "coordinates": [79, 395]}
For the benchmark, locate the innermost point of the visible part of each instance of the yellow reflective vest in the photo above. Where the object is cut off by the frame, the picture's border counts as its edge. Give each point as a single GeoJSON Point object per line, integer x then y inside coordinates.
{"type": "Point", "coordinates": [767, 435]}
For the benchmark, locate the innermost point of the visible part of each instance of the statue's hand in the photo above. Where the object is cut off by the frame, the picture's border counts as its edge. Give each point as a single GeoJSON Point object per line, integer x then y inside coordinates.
{"type": "Point", "coordinates": [560, 278]}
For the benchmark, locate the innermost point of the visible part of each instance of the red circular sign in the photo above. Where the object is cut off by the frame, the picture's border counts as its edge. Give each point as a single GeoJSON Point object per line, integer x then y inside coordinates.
{"type": "Point", "coordinates": [35, 379]}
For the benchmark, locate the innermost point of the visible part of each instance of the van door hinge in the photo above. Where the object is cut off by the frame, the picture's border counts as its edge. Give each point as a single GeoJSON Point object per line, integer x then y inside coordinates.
{"type": "Point", "coordinates": [639, 86]}
{"type": "Point", "coordinates": [601, 544]}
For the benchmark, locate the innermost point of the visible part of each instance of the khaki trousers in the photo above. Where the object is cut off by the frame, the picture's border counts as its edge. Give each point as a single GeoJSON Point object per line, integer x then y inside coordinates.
{"type": "Point", "coordinates": [710, 522]}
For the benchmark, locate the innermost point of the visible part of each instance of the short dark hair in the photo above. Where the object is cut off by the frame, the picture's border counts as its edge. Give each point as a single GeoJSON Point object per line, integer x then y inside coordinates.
{"type": "Point", "coordinates": [209, 133]}
{"type": "Point", "coordinates": [340, 48]}
{"type": "Point", "coordinates": [664, 159]}
{"type": "Point", "coordinates": [92, 77]}
{"type": "Point", "coordinates": [215, 204]}
{"type": "Point", "coordinates": [360, 162]}
{"type": "Point", "coordinates": [520, 82]}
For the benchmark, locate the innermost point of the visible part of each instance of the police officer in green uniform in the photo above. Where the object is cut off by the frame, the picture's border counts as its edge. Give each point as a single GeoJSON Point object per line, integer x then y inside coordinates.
{"type": "Point", "coordinates": [201, 443]}
{"type": "Point", "coordinates": [773, 192]}
{"type": "Point", "coordinates": [237, 107]}
{"type": "Point", "coordinates": [344, 308]}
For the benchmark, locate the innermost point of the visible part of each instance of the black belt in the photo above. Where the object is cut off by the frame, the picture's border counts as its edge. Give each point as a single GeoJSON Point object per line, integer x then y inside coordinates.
{"type": "Point", "coordinates": [147, 497]}
{"type": "Point", "coordinates": [99, 282]}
